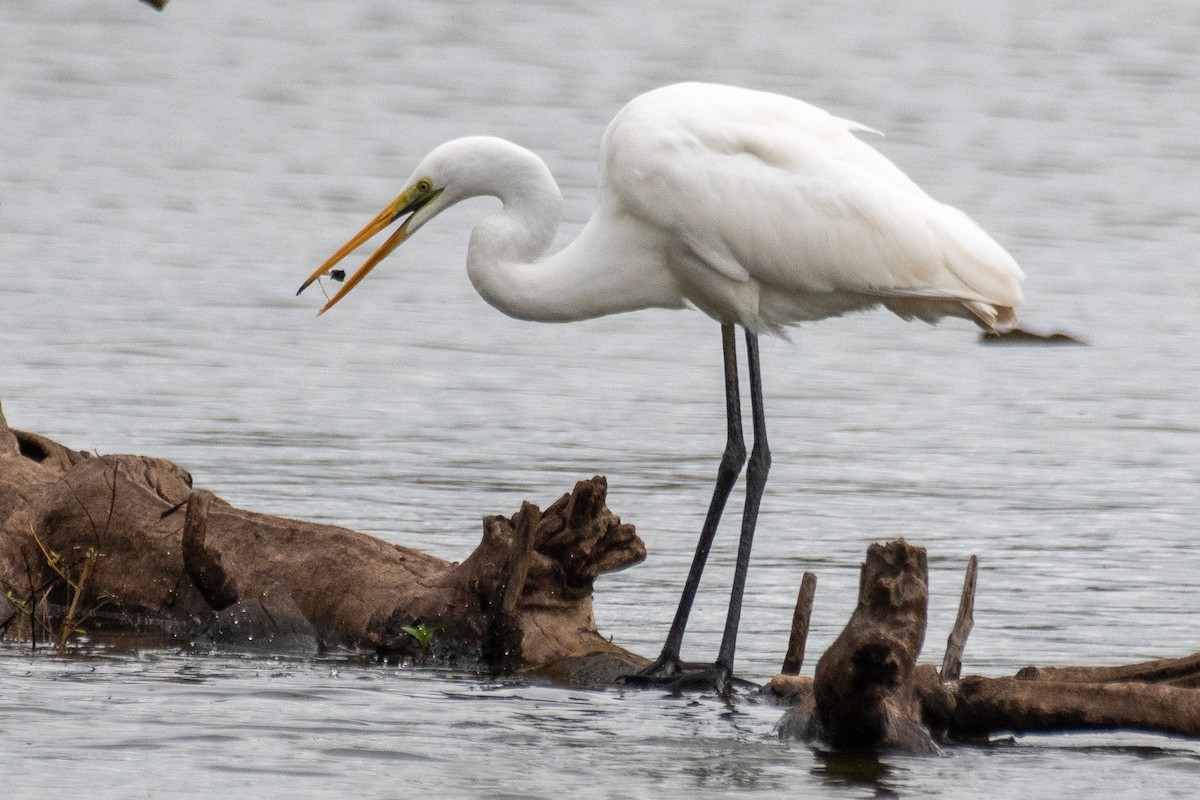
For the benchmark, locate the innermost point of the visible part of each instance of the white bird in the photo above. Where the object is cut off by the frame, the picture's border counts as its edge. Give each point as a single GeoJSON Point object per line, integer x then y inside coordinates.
{"type": "Point", "coordinates": [760, 210]}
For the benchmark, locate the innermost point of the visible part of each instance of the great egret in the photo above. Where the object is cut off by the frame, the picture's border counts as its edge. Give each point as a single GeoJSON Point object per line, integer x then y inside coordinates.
{"type": "Point", "coordinates": [759, 210]}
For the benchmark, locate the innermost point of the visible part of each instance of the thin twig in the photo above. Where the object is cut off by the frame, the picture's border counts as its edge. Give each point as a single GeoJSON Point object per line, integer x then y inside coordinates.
{"type": "Point", "coordinates": [69, 622]}
{"type": "Point", "coordinates": [800, 621]}
{"type": "Point", "coordinates": [957, 642]}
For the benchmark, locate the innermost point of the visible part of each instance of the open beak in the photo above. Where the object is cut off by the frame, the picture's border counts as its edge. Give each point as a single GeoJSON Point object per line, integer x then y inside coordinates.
{"type": "Point", "coordinates": [408, 202]}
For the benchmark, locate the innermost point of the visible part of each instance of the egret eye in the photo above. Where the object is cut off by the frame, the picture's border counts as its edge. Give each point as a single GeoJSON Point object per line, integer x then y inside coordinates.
{"type": "Point", "coordinates": [424, 186]}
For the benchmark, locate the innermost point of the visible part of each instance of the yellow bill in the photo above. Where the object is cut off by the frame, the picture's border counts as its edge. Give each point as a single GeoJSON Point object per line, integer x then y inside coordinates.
{"type": "Point", "coordinates": [410, 200]}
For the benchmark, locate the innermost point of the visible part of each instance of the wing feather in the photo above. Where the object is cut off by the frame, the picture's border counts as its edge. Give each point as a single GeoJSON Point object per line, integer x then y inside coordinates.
{"type": "Point", "coordinates": [758, 188]}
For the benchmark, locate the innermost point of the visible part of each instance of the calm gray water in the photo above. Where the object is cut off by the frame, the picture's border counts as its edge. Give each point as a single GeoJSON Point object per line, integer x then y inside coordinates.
{"type": "Point", "coordinates": [167, 180]}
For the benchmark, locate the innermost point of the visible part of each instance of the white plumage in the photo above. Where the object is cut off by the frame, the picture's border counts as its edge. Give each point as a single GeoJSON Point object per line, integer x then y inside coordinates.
{"type": "Point", "coordinates": [770, 211]}
{"type": "Point", "coordinates": [760, 210]}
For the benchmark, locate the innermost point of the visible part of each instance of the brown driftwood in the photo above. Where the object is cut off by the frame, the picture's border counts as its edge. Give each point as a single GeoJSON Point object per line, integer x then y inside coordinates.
{"type": "Point", "coordinates": [861, 686]}
{"type": "Point", "coordinates": [202, 563]}
{"type": "Point", "coordinates": [985, 705]}
{"type": "Point", "coordinates": [1182, 672]}
{"type": "Point", "coordinates": [122, 541]}
{"type": "Point", "coordinates": [182, 560]}
{"type": "Point", "coordinates": [957, 641]}
{"type": "Point", "coordinates": [793, 660]}
{"type": "Point", "coordinates": [868, 692]}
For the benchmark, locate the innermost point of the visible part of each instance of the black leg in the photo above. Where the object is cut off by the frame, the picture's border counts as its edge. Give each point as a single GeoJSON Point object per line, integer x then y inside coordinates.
{"type": "Point", "coordinates": [756, 481]}
{"type": "Point", "coordinates": [668, 664]}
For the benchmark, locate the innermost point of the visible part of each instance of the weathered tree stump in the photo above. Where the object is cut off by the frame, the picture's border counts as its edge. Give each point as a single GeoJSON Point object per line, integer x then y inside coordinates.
{"type": "Point", "coordinates": [169, 556]}
{"type": "Point", "coordinates": [869, 693]}
{"type": "Point", "coordinates": [862, 685]}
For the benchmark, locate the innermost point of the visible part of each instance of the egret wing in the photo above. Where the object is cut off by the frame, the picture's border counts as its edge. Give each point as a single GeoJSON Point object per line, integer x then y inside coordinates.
{"type": "Point", "coordinates": [763, 189]}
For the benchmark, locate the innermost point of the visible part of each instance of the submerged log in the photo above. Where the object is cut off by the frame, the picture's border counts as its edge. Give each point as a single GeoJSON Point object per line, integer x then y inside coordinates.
{"type": "Point", "coordinates": [120, 542]}
{"type": "Point", "coordinates": [982, 706]}
{"type": "Point", "coordinates": [169, 556]}
{"type": "Point", "coordinates": [869, 694]}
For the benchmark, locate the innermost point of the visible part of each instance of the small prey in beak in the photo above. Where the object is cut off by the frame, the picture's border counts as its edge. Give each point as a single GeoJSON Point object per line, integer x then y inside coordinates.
{"type": "Point", "coordinates": [409, 202]}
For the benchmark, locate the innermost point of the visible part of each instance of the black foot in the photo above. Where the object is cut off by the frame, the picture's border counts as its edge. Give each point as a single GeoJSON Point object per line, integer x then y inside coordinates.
{"type": "Point", "coordinates": [677, 677]}
{"type": "Point", "coordinates": [663, 671]}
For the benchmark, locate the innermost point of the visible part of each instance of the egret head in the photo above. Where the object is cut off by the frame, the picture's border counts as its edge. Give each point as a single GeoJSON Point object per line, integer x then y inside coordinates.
{"type": "Point", "coordinates": [461, 168]}
{"type": "Point", "coordinates": [420, 201]}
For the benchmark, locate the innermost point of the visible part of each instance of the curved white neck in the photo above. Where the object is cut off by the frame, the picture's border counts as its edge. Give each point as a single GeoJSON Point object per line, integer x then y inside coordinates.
{"type": "Point", "coordinates": [599, 273]}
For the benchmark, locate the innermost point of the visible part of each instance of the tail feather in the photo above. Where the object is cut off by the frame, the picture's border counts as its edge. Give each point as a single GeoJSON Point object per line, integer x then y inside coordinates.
{"type": "Point", "coordinates": [989, 316]}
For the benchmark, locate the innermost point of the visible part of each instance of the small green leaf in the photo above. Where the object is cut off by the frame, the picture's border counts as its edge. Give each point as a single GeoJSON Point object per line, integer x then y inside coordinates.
{"type": "Point", "coordinates": [421, 632]}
